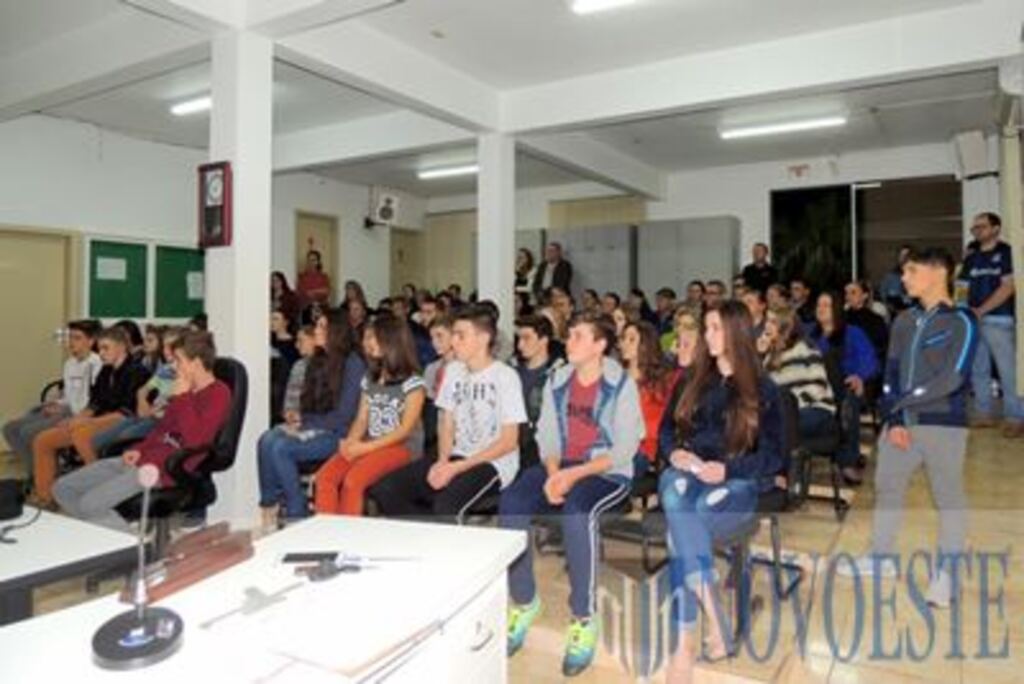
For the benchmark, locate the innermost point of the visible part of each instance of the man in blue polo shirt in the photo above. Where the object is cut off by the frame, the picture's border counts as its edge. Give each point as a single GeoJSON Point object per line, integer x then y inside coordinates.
{"type": "Point", "coordinates": [988, 271]}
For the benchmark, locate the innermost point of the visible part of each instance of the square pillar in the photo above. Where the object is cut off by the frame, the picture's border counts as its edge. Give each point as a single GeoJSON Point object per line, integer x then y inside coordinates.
{"type": "Point", "coordinates": [496, 225]}
{"type": "Point", "coordinates": [237, 277]}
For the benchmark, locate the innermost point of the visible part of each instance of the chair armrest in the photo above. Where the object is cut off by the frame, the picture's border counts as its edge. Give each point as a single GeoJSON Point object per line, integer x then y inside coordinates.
{"type": "Point", "coordinates": [54, 385]}
{"type": "Point", "coordinates": [175, 464]}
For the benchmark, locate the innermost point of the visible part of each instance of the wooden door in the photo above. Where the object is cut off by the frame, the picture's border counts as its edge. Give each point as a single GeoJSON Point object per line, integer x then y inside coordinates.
{"type": "Point", "coordinates": [320, 233]}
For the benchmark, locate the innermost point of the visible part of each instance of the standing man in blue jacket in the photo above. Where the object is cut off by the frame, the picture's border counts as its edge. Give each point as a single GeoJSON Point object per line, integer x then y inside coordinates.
{"type": "Point", "coordinates": [924, 405]}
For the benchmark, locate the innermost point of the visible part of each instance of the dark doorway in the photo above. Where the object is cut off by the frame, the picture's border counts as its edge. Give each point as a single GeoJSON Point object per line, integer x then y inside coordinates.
{"type": "Point", "coordinates": [811, 235]}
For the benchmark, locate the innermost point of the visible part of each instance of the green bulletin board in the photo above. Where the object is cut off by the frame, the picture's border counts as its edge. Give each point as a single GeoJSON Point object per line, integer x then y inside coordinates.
{"type": "Point", "coordinates": [117, 279]}
{"type": "Point", "coordinates": [180, 274]}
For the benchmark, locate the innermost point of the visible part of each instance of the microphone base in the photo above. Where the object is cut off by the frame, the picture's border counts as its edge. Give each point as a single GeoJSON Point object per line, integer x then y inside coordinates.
{"type": "Point", "coordinates": [126, 643]}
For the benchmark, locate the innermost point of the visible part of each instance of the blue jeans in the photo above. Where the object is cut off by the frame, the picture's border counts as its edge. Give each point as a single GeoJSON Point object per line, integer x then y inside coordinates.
{"type": "Point", "coordinates": [279, 456]}
{"type": "Point", "coordinates": [697, 514]}
{"type": "Point", "coordinates": [133, 429]}
{"type": "Point", "coordinates": [997, 344]}
{"type": "Point", "coordinates": [580, 514]}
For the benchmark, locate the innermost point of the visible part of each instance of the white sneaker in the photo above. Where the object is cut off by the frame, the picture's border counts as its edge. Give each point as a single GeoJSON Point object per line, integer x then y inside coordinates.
{"type": "Point", "coordinates": [868, 566]}
{"type": "Point", "coordinates": [940, 591]}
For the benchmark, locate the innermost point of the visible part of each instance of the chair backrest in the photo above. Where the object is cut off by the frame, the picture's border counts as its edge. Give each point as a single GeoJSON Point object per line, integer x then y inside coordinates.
{"type": "Point", "coordinates": [225, 444]}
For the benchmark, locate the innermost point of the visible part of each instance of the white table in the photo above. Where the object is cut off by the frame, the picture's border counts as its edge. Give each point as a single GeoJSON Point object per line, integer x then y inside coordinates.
{"type": "Point", "coordinates": [439, 618]}
{"type": "Point", "coordinates": [53, 548]}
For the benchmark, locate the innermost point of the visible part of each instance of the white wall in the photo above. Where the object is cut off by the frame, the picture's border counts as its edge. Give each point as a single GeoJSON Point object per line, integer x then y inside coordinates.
{"type": "Point", "coordinates": [62, 174]}
{"type": "Point", "coordinates": [531, 204]}
{"type": "Point", "coordinates": [56, 173]}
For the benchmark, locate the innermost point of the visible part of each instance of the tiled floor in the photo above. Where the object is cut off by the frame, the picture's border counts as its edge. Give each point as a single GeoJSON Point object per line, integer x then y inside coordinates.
{"type": "Point", "coordinates": [833, 622]}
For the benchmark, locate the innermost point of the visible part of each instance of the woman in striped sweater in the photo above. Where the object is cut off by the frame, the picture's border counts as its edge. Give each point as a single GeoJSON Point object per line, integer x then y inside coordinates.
{"type": "Point", "coordinates": [797, 366]}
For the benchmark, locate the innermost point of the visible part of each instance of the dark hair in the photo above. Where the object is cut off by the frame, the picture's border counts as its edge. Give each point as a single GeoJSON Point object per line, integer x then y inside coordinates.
{"type": "Point", "coordinates": [757, 293]}
{"type": "Point", "coordinates": [592, 293]}
{"type": "Point", "coordinates": [480, 317]}
{"type": "Point", "coordinates": [541, 325]}
{"type": "Point", "coordinates": [197, 344]}
{"type": "Point", "coordinates": [742, 414]}
{"type": "Point", "coordinates": [319, 258]}
{"type": "Point", "coordinates": [666, 292]}
{"type": "Point", "coordinates": [325, 369]}
{"type": "Point", "coordinates": [528, 266]}
{"type": "Point", "coordinates": [838, 317]}
{"type": "Point", "coordinates": [158, 331]}
{"type": "Point", "coordinates": [654, 369]}
{"type": "Point", "coordinates": [443, 320]}
{"type": "Point", "coordinates": [779, 288]}
{"type": "Point", "coordinates": [698, 283]}
{"type": "Point", "coordinates": [357, 288]}
{"type": "Point", "coordinates": [285, 287]}
{"type": "Point", "coordinates": [601, 324]}
{"type": "Point", "coordinates": [88, 327]}
{"type": "Point", "coordinates": [200, 321]}
{"type": "Point", "coordinates": [557, 245]}
{"type": "Point", "coordinates": [490, 306]}
{"type": "Point", "coordinates": [800, 280]}
{"type": "Point", "coordinates": [132, 330]}
{"type": "Point", "coordinates": [397, 360]}
{"type": "Point", "coordinates": [716, 283]}
{"type": "Point", "coordinates": [427, 299]}
{"type": "Point", "coordinates": [289, 323]}
{"type": "Point", "coordinates": [993, 218]}
{"type": "Point", "coordinates": [306, 330]}
{"type": "Point", "coordinates": [938, 257]}
{"type": "Point", "coordinates": [761, 244]}
{"type": "Point", "coordinates": [118, 335]}
{"type": "Point", "coordinates": [615, 297]}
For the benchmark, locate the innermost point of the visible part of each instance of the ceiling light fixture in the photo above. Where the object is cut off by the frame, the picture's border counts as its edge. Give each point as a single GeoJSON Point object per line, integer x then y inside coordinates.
{"type": "Point", "coordinates": [448, 171]}
{"type": "Point", "coordinates": [780, 128]}
{"type": "Point", "coordinates": [194, 106]}
{"type": "Point", "coordinates": [592, 6]}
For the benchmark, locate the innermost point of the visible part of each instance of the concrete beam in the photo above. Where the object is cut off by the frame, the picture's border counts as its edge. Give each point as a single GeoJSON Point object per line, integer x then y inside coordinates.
{"type": "Point", "coordinates": [125, 47]}
{"type": "Point", "coordinates": [278, 18]}
{"type": "Point", "coordinates": [209, 16]}
{"type": "Point", "coordinates": [912, 46]}
{"type": "Point", "coordinates": [386, 135]}
{"type": "Point", "coordinates": [599, 161]}
{"type": "Point", "coordinates": [374, 62]}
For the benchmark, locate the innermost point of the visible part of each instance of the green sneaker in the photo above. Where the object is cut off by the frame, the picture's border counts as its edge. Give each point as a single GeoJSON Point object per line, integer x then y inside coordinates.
{"type": "Point", "coordinates": [580, 646]}
{"type": "Point", "coordinates": [519, 620]}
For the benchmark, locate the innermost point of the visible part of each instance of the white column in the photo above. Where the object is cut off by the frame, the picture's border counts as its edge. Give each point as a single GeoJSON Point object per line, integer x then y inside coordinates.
{"type": "Point", "coordinates": [1013, 229]}
{"type": "Point", "coordinates": [237, 296]}
{"type": "Point", "coordinates": [496, 224]}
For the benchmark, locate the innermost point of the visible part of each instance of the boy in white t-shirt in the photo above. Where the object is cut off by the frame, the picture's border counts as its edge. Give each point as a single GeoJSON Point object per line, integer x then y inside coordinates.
{"type": "Point", "coordinates": [80, 370]}
{"type": "Point", "coordinates": [481, 407]}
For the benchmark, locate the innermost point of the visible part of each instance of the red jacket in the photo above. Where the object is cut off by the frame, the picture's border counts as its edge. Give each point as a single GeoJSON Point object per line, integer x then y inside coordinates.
{"type": "Point", "coordinates": [192, 419]}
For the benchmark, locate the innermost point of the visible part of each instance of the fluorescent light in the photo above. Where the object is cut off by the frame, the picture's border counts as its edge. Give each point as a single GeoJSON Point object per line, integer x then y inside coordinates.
{"type": "Point", "coordinates": [592, 6]}
{"type": "Point", "coordinates": [788, 127]}
{"type": "Point", "coordinates": [448, 171]}
{"type": "Point", "coordinates": [199, 104]}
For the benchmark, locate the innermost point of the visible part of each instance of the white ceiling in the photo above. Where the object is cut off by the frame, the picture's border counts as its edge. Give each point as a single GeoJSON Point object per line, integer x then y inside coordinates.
{"type": "Point", "coordinates": [908, 113]}
{"type": "Point", "coordinates": [514, 43]}
{"type": "Point", "coordinates": [24, 23]}
{"type": "Point", "coordinates": [301, 100]}
{"type": "Point", "coordinates": [400, 173]}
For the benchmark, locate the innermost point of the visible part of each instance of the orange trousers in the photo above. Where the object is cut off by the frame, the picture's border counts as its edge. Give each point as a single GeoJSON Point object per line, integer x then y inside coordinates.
{"type": "Point", "coordinates": [341, 484]}
{"type": "Point", "coordinates": [75, 432]}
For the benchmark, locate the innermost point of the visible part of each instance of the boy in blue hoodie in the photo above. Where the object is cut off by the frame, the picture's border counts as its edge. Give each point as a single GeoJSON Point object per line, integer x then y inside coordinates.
{"type": "Point", "coordinates": [924, 404]}
{"type": "Point", "coordinates": [590, 427]}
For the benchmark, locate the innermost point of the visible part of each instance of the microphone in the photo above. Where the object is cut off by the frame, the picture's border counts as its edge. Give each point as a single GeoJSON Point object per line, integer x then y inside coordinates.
{"type": "Point", "coordinates": [144, 635]}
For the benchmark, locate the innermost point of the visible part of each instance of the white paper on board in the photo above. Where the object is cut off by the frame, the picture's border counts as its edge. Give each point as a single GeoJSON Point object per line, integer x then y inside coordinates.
{"type": "Point", "coordinates": [108, 268]}
{"type": "Point", "coordinates": [195, 282]}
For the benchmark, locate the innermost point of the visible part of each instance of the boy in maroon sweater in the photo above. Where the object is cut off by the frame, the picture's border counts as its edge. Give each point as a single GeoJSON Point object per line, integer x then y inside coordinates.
{"type": "Point", "coordinates": [197, 410]}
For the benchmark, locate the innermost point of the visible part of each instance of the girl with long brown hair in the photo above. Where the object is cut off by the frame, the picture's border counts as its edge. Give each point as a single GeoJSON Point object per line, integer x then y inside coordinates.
{"type": "Point", "coordinates": [729, 448]}
{"type": "Point", "coordinates": [387, 432]}
{"type": "Point", "coordinates": [641, 355]}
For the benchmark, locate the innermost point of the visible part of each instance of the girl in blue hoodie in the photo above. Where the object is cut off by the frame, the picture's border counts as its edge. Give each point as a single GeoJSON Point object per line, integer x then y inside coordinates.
{"type": "Point", "coordinates": [330, 399]}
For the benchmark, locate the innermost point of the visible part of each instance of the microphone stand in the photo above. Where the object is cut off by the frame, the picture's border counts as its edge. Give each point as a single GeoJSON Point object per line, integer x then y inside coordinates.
{"type": "Point", "coordinates": [144, 635]}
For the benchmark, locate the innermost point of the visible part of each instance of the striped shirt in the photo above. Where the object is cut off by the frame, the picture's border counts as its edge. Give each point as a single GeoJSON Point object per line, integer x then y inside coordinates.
{"type": "Point", "coordinates": [801, 370]}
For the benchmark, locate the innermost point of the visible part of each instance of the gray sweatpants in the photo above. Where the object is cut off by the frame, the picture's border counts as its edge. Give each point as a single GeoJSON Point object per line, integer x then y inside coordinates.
{"type": "Point", "coordinates": [941, 451]}
{"type": "Point", "coordinates": [92, 492]}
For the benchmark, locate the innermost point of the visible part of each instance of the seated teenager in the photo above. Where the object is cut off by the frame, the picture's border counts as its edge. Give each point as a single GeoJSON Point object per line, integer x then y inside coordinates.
{"type": "Point", "coordinates": [329, 402]}
{"type": "Point", "coordinates": [798, 367]}
{"type": "Point", "coordinates": [848, 350]}
{"type": "Point", "coordinates": [433, 378]}
{"type": "Point", "coordinates": [111, 399]}
{"type": "Point", "coordinates": [589, 431]}
{"type": "Point", "coordinates": [729, 449]}
{"type": "Point", "coordinates": [535, 365]}
{"type": "Point", "coordinates": [80, 369]}
{"type": "Point", "coordinates": [690, 351]}
{"type": "Point", "coordinates": [282, 342]}
{"type": "Point", "coordinates": [151, 399]}
{"type": "Point", "coordinates": [305, 342]}
{"type": "Point", "coordinates": [481, 408]}
{"type": "Point", "coordinates": [387, 433]}
{"type": "Point", "coordinates": [642, 357]}
{"type": "Point", "coordinates": [197, 410]}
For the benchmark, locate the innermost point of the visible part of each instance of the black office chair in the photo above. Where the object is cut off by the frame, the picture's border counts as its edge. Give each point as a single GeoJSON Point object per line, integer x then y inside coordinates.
{"type": "Point", "coordinates": [196, 489]}
{"type": "Point", "coordinates": [826, 447]}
